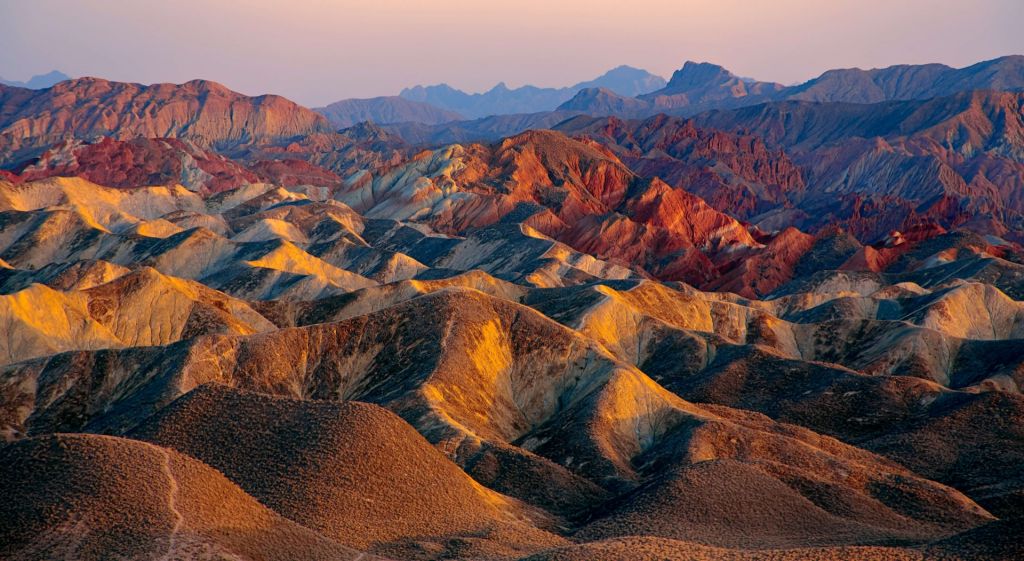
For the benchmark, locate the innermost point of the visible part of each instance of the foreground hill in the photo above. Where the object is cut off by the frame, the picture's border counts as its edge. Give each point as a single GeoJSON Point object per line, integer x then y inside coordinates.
{"type": "Point", "coordinates": [94, 497]}
{"type": "Point", "coordinates": [362, 476]}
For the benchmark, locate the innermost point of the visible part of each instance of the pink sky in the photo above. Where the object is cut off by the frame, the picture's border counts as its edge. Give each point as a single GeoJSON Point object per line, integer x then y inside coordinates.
{"type": "Point", "coordinates": [317, 51]}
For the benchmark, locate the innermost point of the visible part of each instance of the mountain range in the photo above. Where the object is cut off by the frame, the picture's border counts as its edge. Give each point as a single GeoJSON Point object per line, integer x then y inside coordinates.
{"type": "Point", "coordinates": [39, 81]}
{"type": "Point", "coordinates": [658, 322]}
{"type": "Point", "coordinates": [501, 100]}
{"type": "Point", "coordinates": [698, 87]}
{"type": "Point", "coordinates": [694, 88]}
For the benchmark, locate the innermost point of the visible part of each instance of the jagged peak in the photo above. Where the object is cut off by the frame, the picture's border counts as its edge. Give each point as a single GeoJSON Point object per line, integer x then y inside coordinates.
{"type": "Point", "coordinates": [699, 73]}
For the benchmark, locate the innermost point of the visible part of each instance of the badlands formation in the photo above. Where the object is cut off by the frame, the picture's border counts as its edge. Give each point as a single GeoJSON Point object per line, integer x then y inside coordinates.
{"type": "Point", "coordinates": [783, 331]}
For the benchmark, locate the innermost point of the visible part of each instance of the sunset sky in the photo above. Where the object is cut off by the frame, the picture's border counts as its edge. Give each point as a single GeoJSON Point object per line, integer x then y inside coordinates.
{"type": "Point", "coordinates": [318, 51]}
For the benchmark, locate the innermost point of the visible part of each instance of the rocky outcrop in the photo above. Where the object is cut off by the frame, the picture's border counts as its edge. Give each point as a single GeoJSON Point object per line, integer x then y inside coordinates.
{"type": "Point", "coordinates": [139, 162]}
{"type": "Point", "coordinates": [201, 111]}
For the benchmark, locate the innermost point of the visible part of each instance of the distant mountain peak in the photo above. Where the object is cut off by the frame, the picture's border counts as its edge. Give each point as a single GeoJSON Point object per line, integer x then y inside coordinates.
{"type": "Point", "coordinates": [602, 101]}
{"type": "Point", "coordinates": [40, 81]}
{"type": "Point", "coordinates": [625, 70]}
{"type": "Point", "coordinates": [385, 110]}
{"type": "Point", "coordinates": [368, 131]}
{"type": "Point", "coordinates": [623, 80]}
{"type": "Point", "coordinates": [695, 74]}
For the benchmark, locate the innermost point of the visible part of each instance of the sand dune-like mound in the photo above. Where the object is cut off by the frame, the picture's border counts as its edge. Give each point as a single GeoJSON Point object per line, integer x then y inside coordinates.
{"type": "Point", "coordinates": [487, 383]}
{"type": "Point", "coordinates": [138, 308]}
{"type": "Point", "coordinates": [158, 228]}
{"type": "Point", "coordinates": [515, 252]}
{"type": "Point", "coordinates": [73, 275]}
{"type": "Point", "coordinates": [966, 310]}
{"type": "Point", "coordinates": [40, 321]}
{"type": "Point", "coordinates": [376, 298]}
{"type": "Point", "coordinates": [109, 207]}
{"type": "Point", "coordinates": [355, 472]}
{"type": "Point", "coordinates": [286, 257]}
{"type": "Point", "coordinates": [972, 442]}
{"type": "Point", "coordinates": [729, 503]}
{"type": "Point", "coordinates": [146, 307]}
{"type": "Point", "coordinates": [316, 221]}
{"type": "Point", "coordinates": [269, 269]}
{"type": "Point", "coordinates": [745, 481]}
{"type": "Point", "coordinates": [646, 548]}
{"type": "Point", "coordinates": [995, 541]}
{"type": "Point", "coordinates": [88, 497]}
{"type": "Point", "coordinates": [381, 265]}
{"type": "Point", "coordinates": [270, 229]}
{"type": "Point", "coordinates": [32, 240]}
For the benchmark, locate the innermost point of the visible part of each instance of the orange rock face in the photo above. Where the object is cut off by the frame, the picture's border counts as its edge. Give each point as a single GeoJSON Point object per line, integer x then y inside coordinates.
{"type": "Point", "coordinates": [736, 174]}
{"type": "Point", "coordinates": [203, 111]}
{"type": "Point", "coordinates": [140, 162]}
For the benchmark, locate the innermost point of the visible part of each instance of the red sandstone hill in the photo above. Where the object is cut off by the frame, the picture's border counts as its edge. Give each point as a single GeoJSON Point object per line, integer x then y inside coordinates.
{"type": "Point", "coordinates": [139, 162]}
{"type": "Point", "coordinates": [737, 175]}
{"type": "Point", "coordinates": [87, 108]}
{"type": "Point", "coordinates": [573, 190]}
{"type": "Point", "coordinates": [957, 160]}
{"type": "Point", "coordinates": [143, 162]}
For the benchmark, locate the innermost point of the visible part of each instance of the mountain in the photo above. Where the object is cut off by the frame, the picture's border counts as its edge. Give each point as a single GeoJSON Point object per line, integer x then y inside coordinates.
{"type": "Point", "coordinates": [625, 81]}
{"type": "Point", "coordinates": [89, 108]}
{"type": "Point", "coordinates": [566, 189]}
{"type": "Point", "coordinates": [956, 160]}
{"type": "Point", "coordinates": [501, 100]}
{"type": "Point", "coordinates": [786, 331]}
{"type": "Point", "coordinates": [139, 162]}
{"type": "Point", "coordinates": [337, 371]}
{"type": "Point", "coordinates": [38, 82]}
{"type": "Point", "coordinates": [911, 81]}
{"type": "Point", "coordinates": [736, 174]}
{"type": "Point", "coordinates": [698, 87]}
{"type": "Point", "coordinates": [384, 110]}
{"type": "Point", "coordinates": [602, 101]}
{"type": "Point", "coordinates": [702, 85]}
{"type": "Point", "coordinates": [486, 129]}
